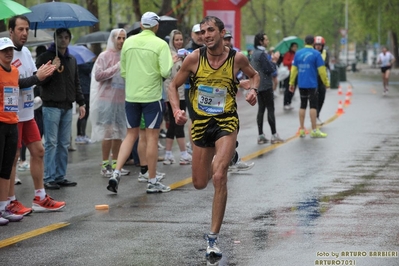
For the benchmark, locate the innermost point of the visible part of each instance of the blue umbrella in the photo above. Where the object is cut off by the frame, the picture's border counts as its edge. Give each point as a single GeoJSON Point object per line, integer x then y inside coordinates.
{"type": "Point", "coordinates": [81, 53]}
{"type": "Point", "coordinates": [59, 15]}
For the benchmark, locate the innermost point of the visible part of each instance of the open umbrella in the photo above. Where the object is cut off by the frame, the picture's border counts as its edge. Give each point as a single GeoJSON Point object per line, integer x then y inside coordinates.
{"type": "Point", "coordinates": [60, 15]}
{"type": "Point", "coordinates": [284, 45]}
{"type": "Point", "coordinates": [94, 37]}
{"type": "Point", "coordinates": [81, 53]}
{"type": "Point", "coordinates": [42, 37]}
{"type": "Point", "coordinates": [10, 8]}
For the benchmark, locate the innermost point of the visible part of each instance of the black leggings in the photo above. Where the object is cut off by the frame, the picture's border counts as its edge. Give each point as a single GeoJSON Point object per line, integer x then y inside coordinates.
{"type": "Point", "coordinates": [81, 124]}
{"type": "Point", "coordinates": [322, 95]}
{"type": "Point", "coordinates": [266, 100]}
{"type": "Point", "coordinates": [173, 129]}
{"type": "Point", "coordinates": [287, 94]}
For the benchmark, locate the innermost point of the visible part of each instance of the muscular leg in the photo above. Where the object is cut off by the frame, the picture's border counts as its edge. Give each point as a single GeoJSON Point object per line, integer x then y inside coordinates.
{"type": "Point", "coordinates": [313, 116]}
{"type": "Point", "coordinates": [36, 151]}
{"type": "Point", "coordinates": [126, 147]}
{"type": "Point", "coordinates": [302, 114]}
{"type": "Point", "coordinates": [152, 136]}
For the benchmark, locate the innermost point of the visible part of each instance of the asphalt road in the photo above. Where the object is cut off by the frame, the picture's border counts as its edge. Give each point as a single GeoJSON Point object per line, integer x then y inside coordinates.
{"type": "Point", "coordinates": [305, 202]}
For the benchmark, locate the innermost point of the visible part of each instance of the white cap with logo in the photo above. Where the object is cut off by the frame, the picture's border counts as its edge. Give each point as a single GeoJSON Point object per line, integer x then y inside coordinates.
{"type": "Point", "coordinates": [149, 20]}
{"type": "Point", "coordinates": [6, 43]}
{"type": "Point", "coordinates": [196, 28]}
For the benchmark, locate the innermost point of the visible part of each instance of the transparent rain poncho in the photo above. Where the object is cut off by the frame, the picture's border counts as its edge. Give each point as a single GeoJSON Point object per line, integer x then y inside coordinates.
{"type": "Point", "coordinates": [107, 94]}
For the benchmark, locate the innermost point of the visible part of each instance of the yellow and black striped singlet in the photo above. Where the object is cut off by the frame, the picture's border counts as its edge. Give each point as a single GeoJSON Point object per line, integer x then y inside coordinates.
{"type": "Point", "coordinates": [213, 96]}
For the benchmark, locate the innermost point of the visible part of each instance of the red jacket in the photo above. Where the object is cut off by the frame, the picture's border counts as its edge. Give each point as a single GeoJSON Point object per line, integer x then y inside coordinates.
{"type": "Point", "coordinates": [288, 59]}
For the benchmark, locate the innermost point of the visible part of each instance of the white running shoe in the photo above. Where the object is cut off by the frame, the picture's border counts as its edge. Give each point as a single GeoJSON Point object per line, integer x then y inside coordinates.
{"type": "Point", "coordinates": [169, 160]}
{"type": "Point", "coordinates": [157, 188]}
{"type": "Point", "coordinates": [240, 166]}
{"type": "Point", "coordinates": [144, 177]}
{"type": "Point", "coordinates": [186, 159]}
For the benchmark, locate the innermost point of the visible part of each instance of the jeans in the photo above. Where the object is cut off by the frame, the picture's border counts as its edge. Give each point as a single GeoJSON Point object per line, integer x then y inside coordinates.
{"type": "Point", "coordinates": [57, 133]}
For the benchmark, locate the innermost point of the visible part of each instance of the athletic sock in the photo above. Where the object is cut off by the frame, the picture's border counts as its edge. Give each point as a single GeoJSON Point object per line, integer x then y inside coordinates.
{"type": "Point", "coordinates": [144, 169]}
{"type": "Point", "coordinates": [41, 193]}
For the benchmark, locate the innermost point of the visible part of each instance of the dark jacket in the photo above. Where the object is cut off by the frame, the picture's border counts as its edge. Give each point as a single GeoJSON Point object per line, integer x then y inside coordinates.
{"type": "Point", "coordinates": [85, 76]}
{"type": "Point", "coordinates": [261, 63]}
{"type": "Point", "coordinates": [61, 89]}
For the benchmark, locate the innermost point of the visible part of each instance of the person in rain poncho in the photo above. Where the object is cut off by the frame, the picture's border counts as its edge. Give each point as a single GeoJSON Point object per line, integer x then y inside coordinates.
{"type": "Point", "coordinates": [107, 100]}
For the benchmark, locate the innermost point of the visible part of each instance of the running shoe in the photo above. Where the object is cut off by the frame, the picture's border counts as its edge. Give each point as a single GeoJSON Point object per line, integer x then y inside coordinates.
{"type": "Point", "coordinates": [123, 171]}
{"type": "Point", "coordinates": [169, 160]}
{"type": "Point", "coordinates": [276, 139]}
{"type": "Point", "coordinates": [6, 214]}
{"type": "Point", "coordinates": [158, 187]}
{"type": "Point", "coordinates": [106, 171]}
{"type": "Point", "coordinates": [262, 139]}
{"type": "Point", "coordinates": [17, 180]}
{"type": "Point", "coordinates": [189, 148]}
{"type": "Point", "coordinates": [212, 250]}
{"type": "Point", "coordinates": [22, 167]}
{"type": "Point", "coordinates": [3, 221]}
{"type": "Point", "coordinates": [114, 182]}
{"type": "Point", "coordinates": [240, 166]}
{"type": "Point", "coordinates": [162, 134]}
{"type": "Point", "coordinates": [144, 177]}
{"type": "Point", "coordinates": [16, 207]}
{"type": "Point", "coordinates": [160, 146]}
{"type": "Point", "coordinates": [317, 134]}
{"type": "Point", "coordinates": [288, 107]}
{"type": "Point", "coordinates": [80, 140]}
{"type": "Point", "coordinates": [185, 160]}
{"type": "Point", "coordinates": [302, 133]}
{"type": "Point", "coordinates": [48, 204]}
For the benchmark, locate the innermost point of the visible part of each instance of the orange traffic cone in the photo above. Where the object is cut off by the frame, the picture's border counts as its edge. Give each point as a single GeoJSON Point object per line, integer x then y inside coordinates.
{"type": "Point", "coordinates": [347, 100]}
{"type": "Point", "coordinates": [340, 110]}
{"type": "Point", "coordinates": [339, 90]}
{"type": "Point", "coordinates": [349, 91]}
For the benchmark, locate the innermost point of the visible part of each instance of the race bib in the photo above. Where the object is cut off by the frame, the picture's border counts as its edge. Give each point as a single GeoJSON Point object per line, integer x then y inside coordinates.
{"type": "Point", "coordinates": [211, 100]}
{"type": "Point", "coordinates": [11, 95]}
{"type": "Point", "coordinates": [27, 96]}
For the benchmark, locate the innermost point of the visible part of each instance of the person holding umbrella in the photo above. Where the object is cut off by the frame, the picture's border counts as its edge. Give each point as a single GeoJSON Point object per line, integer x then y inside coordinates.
{"type": "Point", "coordinates": [58, 93]}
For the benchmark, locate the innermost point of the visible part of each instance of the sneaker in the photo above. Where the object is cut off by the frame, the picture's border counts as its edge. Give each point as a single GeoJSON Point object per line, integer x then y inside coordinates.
{"type": "Point", "coordinates": [240, 166]}
{"type": "Point", "coordinates": [212, 250]}
{"type": "Point", "coordinates": [262, 139]}
{"type": "Point", "coordinates": [317, 134]}
{"type": "Point", "coordinates": [302, 133]}
{"type": "Point", "coordinates": [48, 204]}
{"type": "Point", "coordinates": [186, 160]}
{"type": "Point", "coordinates": [80, 140]}
{"type": "Point", "coordinates": [17, 181]}
{"type": "Point", "coordinates": [3, 221]}
{"type": "Point", "coordinates": [114, 182]}
{"type": "Point", "coordinates": [144, 177]}
{"type": "Point", "coordinates": [106, 171]}
{"type": "Point", "coordinates": [169, 160]}
{"type": "Point", "coordinates": [160, 146]}
{"type": "Point", "coordinates": [22, 167]}
{"type": "Point", "coordinates": [87, 139]}
{"type": "Point", "coordinates": [288, 107]}
{"type": "Point", "coordinates": [6, 214]}
{"type": "Point", "coordinates": [123, 171]}
{"type": "Point", "coordinates": [157, 187]}
{"type": "Point", "coordinates": [16, 207]}
{"type": "Point", "coordinates": [162, 134]}
{"type": "Point", "coordinates": [276, 139]}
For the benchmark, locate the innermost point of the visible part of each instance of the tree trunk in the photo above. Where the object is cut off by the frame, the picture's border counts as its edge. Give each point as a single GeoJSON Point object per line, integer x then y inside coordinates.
{"type": "Point", "coordinates": [136, 9]}
{"type": "Point", "coordinates": [394, 36]}
{"type": "Point", "coordinates": [166, 7]}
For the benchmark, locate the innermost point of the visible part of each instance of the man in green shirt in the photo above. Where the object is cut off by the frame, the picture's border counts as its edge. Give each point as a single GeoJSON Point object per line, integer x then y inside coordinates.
{"type": "Point", "coordinates": [145, 62]}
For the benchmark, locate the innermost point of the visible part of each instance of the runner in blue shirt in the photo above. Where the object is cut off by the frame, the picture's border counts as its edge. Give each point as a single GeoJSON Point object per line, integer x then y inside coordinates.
{"type": "Point", "coordinates": [308, 64]}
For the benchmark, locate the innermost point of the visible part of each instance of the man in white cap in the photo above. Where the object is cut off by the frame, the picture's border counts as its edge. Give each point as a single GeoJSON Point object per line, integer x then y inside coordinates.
{"type": "Point", "coordinates": [145, 62]}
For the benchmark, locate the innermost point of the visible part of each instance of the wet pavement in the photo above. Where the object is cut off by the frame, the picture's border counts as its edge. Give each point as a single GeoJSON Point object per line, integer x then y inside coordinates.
{"type": "Point", "coordinates": [330, 201]}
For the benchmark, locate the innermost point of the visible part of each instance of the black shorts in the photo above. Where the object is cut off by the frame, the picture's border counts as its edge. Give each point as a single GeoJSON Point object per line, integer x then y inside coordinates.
{"type": "Point", "coordinates": [311, 95]}
{"type": "Point", "coordinates": [384, 69]}
{"type": "Point", "coordinates": [207, 130]}
{"type": "Point", "coordinates": [8, 148]}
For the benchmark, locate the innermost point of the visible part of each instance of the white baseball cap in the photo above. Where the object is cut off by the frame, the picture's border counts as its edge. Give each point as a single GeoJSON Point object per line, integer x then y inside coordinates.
{"type": "Point", "coordinates": [149, 20]}
{"type": "Point", "coordinates": [196, 28]}
{"type": "Point", "coordinates": [6, 43]}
